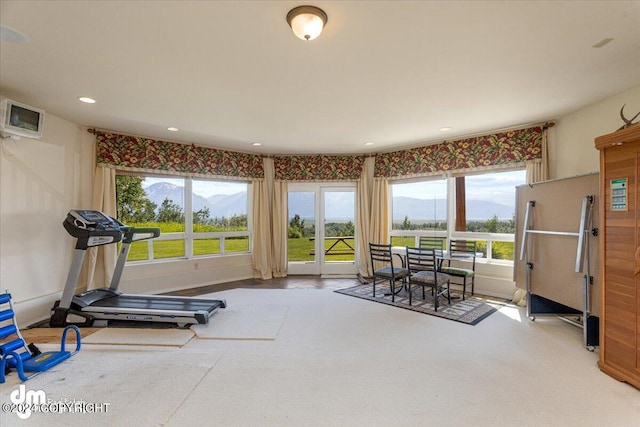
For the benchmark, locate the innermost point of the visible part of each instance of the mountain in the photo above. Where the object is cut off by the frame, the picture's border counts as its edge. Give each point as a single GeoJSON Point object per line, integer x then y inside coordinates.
{"type": "Point", "coordinates": [303, 204]}
{"type": "Point", "coordinates": [227, 205]}
{"type": "Point", "coordinates": [339, 206]}
{"type": "Point", "coordinates": [429, 209]}
{"type": "Point", "coordinates": [220, 205]}
{"type": "Point", "coordinates": [484, 209]}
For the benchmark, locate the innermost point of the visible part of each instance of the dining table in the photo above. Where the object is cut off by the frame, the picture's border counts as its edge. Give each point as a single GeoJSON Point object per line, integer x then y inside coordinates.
{"type": "Point", "coordinates": [441, 257]}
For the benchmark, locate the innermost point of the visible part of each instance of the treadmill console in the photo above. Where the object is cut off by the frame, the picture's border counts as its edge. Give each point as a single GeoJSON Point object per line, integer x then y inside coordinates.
{"type": "Point", "coordinates": [93, 228]}
{"type": "Point", "coordinates": [92, 220]}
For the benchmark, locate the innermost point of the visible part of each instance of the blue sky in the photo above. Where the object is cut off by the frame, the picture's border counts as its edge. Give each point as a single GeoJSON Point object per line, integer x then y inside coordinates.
{"type": "Point", "coordinates": [498, 187]}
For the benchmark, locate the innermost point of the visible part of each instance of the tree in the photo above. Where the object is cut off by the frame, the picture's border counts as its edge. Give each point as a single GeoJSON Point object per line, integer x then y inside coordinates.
{"type": "Point", "coordinates": [348, 229]}
{"type": "Point", "coordinates": [132, 203]}
{"type": "Point", "coordinates": [296, 227]}
{"type": "Point", "coordinates": [238, 221]}
{"type": "Point", "coordinates": [170, 212]}
{"type": "Point", "coordinates": [406, 224]}
{"type": "Point", "coordinates": [202, 216]}
{"type": "Point", "coordinates": [492, 225]}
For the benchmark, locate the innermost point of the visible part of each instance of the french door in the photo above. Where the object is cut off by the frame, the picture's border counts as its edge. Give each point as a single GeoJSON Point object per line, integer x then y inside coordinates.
{"type": "Point", "coordinates": [322, 229]}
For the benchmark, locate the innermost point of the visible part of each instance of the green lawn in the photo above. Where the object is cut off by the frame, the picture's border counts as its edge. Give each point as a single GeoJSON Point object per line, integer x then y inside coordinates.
{"type": "Point", "coordinates": [302, 250]}
{"type": "Point", "coordinates": [500, 250]}
{"type": "Point", "coordinates": [298, 249]}
{"type": "Point", "coordinates": [175, 248]}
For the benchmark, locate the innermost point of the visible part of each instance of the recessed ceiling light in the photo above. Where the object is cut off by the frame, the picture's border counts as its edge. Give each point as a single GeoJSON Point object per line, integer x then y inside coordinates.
{"type": "Point", "coordinates": [256, 144]}
{"type": "Point", "coordinates": [86, 100]}
{"type": "Point", "coordinates": [445, 129]}
{"type": "Point", "coordinates": [173, 129]}
{"type": "Point", "coordinates": [368, 143]}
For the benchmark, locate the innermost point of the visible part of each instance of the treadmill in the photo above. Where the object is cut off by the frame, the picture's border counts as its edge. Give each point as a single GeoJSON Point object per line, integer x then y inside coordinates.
{"type": "Point", "coordinates": [93, 228]}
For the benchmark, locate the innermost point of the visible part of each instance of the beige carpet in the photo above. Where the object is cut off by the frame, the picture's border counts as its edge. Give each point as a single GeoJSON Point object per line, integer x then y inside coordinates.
{"type": "Point", "coordinates": [138, 336]}
{"type": "Point", "coordinates": [340, 361]}
{"type": "Point", "coordinates": [244, 322]}
{"type": "Point", "coordinates": [135, 387]}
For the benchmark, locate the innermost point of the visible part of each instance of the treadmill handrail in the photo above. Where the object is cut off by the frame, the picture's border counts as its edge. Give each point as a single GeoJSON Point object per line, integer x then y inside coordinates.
{"type": "Point", "coordinates": [148, 233]}
{"type": "Point", "coordinates": [133, 234]}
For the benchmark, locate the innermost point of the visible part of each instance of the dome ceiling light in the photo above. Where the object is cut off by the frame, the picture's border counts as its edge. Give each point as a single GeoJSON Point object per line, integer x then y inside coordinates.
{"type": "Point", "coordinates": [307, 22]}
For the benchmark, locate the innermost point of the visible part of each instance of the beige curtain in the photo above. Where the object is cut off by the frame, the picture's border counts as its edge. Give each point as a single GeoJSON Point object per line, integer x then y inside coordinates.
{"type": "Point", "coordinates": [261, 216]}
{"type": "Point", "coordinates": [537, 171]}
{"type": "Point", "coordinates": [101, 260]}
{"type": "Point", "coordinates": [534, 171]}
{"type": "Point", "coordinates": [363, 223]}
{"type": "Point", "coordinates": [379, 232]}
{"type": "Point", "coordinates": [280, 229]}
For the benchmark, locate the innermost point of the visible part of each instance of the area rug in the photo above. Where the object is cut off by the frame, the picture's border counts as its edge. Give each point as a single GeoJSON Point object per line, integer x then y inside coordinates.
{"type": "Point", "coordinates": [244, 322]}
{"type": "Point", "coordinates": [470, 311]}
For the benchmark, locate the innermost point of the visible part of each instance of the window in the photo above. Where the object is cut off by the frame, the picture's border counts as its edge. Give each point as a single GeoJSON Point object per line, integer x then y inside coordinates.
{"type": "Point", "coordinates": [220, 221]}
{"type": "Point", "coordinates": [418, 207]}
{"type": "Point", "coordinates": [211, 220]}
{"type": "Point", "coordinates": [489, 207]}
{"type": "Point", "coordinates": [491, 201]}
{"type": "Point", "coordinates": [483, 206]}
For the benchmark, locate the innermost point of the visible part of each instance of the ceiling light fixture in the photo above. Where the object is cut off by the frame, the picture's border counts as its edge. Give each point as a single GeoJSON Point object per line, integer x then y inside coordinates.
{"type": "Point", "coordinates": [173, 129]}
{"type": "Point", "coordinates": [256, 144]}
{"type": "Point", "coordinates": [307, 22]}
{"type": "Point", "coordinates": [445, 129]}
{"type": "Point", "coordinates": [368, 143]}
{"type": "Point", "coordinates": [86, 100]}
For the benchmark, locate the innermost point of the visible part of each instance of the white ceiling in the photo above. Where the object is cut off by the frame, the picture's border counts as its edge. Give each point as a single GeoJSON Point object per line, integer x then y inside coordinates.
{"type": "Point", "coordinates": [229, 73]}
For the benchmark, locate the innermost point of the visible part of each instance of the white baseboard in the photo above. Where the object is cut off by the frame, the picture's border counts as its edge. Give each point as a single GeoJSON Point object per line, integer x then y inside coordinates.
{"type": "Point", "coordinates": [35, 310]}
{"type": "Point", "coordinates": [495, 287]}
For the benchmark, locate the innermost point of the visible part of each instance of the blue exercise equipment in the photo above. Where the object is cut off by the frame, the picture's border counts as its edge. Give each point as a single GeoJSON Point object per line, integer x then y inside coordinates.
{"type": "Point", "coordinates": [17, 354]}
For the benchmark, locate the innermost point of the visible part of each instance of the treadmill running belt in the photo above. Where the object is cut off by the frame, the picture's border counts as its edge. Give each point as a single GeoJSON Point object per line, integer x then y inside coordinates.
{"type": "Point", "coordinates": [159, 304]}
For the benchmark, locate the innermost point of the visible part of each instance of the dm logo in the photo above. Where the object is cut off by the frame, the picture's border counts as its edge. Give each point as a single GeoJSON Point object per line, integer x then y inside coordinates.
{"type": "Point", "coordinates": [26, 399]}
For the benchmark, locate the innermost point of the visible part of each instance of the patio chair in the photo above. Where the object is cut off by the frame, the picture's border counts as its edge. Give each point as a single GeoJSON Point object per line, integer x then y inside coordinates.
{"type": "Point", "coordinates": [462, 250]}
{"type": "Point", "coordinates": [436, 243]}
{"type": "Point", "coordinates": [381, 256]}
{"type": "Point", "coordinates": [423, 265]}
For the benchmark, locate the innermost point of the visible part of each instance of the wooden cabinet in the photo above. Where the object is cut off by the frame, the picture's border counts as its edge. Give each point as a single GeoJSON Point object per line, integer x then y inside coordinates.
{"type": "Point", "coordinates": [619, 242]}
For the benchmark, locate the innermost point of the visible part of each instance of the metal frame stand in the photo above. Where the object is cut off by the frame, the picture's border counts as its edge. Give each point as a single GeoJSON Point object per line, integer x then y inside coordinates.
{"type": "Point", "coordinates": [537, 305]}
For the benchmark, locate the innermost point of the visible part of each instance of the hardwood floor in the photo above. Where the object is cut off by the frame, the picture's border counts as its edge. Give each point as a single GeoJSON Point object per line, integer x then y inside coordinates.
{"type": "Point", "coordinates": [46, 335]}
{"type": "Point", "coordinates": [291, 282]}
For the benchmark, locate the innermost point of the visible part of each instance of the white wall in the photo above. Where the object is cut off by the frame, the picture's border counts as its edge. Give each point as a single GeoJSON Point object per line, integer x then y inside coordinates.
{"type": "Point", "coordinates": [166, 276]}
{"type": "Point", "coordinates": [40, 180]}
{"type": "Point", "coordinates": [571, 147]}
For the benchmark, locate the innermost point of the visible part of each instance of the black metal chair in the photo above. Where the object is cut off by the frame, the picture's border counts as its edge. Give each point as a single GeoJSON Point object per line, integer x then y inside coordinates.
{"type": "Point", "coordinates": [462, 250]}
{"type": "Point", "coordinates": [382, 258]}
{"type": "Point", "coordinates": [423, 265]}
{"type": "Point", "coordinates": [436, 243]}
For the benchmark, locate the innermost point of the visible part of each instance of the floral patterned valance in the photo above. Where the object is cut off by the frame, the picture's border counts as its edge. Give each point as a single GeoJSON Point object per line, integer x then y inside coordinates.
{"type": "Point", "coordinates": [318, 168]}
{"type": "Point", "coordinates": [503, 148]}
{"type": "Point", "coordinates": [137, 153]}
